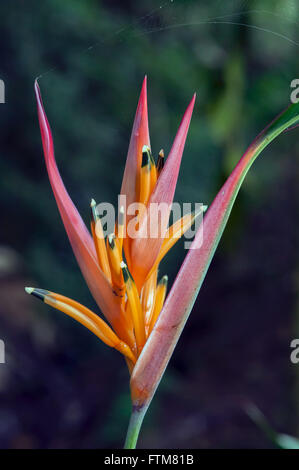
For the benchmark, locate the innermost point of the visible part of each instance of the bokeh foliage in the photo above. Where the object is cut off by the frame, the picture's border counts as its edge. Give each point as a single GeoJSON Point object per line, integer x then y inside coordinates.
{"type": "Point", "coordinates": [91, 57]}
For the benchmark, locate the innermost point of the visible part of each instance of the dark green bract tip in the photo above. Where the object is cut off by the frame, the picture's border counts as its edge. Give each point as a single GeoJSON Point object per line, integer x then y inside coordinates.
{"type": "Point", "coordinates": [145, 158]}
{"type": "Point", "coordinates": [39, 293]}
{"type": "Point", "coordinates": [111, 241]}
{"type": "Point", "coordinates": [125, 271]}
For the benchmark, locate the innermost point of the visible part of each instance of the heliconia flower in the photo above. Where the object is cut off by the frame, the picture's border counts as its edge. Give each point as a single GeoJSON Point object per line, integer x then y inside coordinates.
{"type": "Point", "coordinates": [145, 324]}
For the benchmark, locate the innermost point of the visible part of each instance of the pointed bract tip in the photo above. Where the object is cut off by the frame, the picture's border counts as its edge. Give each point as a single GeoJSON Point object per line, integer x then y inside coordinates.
{"type": "Point", "coordinates": [192, 102]}
{"type": "Point", "coordinates": [161, 153]}
{"type": "Point", "coordinates": [93, 203]}
{"type": "Point", "coordinates": [37, 90]}
{"type": "Point", "coordinates": [143, 94]}
{"type": "Point", "coordinates": [39, 293]}
{"type": "Point", "coordinates": [29, 290]}
{"type": "Point", "coordinates": [190, 106]}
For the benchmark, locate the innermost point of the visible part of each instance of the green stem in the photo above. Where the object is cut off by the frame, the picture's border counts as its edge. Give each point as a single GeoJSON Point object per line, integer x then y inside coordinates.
{"type": "Point", "coordinates": [134, 427]}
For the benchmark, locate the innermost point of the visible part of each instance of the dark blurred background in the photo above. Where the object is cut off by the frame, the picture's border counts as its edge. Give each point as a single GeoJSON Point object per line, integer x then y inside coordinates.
{"type": "Point", "coordinates": [60, 386]}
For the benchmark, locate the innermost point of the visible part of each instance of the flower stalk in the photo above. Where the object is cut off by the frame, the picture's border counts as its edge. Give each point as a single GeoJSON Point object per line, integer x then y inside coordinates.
{"type": "Point", "coordinates": [135, 424]}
